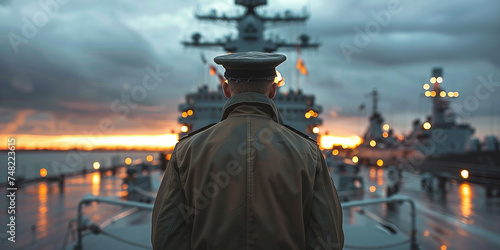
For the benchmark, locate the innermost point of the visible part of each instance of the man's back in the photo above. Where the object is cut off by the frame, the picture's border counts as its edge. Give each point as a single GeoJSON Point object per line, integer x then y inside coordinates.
{"type": "Point", "coordinates": [248, 182]}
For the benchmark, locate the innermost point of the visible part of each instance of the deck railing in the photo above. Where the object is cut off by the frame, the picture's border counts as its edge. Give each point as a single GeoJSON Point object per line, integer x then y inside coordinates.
{"type": "Point", "coordinates": [393, 199]}
{"type": "Point", "coordinates": [92, 198]}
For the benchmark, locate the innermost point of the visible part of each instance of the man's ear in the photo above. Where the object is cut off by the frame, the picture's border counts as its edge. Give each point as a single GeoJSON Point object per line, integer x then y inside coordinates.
{"type": "Point", "coordinates": [272, 90]}
{"type": "Point", "coordinates": [226, 90]}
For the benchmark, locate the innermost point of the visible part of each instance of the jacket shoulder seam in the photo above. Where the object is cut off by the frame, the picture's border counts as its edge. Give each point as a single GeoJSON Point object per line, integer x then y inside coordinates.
{"type": "Point", "coordinates": [300, 133]}
{"type": "Point", "coordinates": [197, 131]}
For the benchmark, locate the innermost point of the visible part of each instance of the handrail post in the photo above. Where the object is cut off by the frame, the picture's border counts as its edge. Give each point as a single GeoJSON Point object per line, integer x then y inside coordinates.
{"type": "Point", "coordinates": [413, 234]}
{"type": "Point", "coordinates": [86, 199]}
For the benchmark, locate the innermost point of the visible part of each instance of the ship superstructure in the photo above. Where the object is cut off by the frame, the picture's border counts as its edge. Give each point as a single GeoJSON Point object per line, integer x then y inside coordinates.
{"type": "Point", "coordinates": [204, 106]}
{"type": "Point", "coordinates": [441, 128]}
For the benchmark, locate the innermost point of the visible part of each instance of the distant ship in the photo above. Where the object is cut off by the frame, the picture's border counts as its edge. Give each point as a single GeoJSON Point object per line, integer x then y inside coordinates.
{"type": "Point", "coordinates": [439, 147]}
{"type": "Point", "coordinates": [204, 106]}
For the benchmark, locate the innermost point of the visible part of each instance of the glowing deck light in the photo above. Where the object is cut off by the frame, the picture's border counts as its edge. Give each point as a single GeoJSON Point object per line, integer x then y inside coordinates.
{"type": "Point", "coordinates": [96, 165]}
{"type": "Point", "coordinates": [184, 129]}
{"type": "Point", "coordinates": [450, 94]}
{"type": "Point", "coordinates": [128, 161]}
{"type": "Point", "coordinates": [335, 152]}
{"type": "Point", "coordinates": [433, 80]}
{"type": "Point", "coordinates": [315, 130]}
{"type": "Point", "coordinates": [385, 135]}
{"type": "Point", "coordinates": [442, 94]}
{"type": "Point", "coordinates": [427, 125]}
{"type": "Point", "coordinates": [380, 162]}
{"type": "Point", "coordinates": [355, 159]}
{"type": "Point", "coordinates": [433, 93]}
{"type": "Point", "coordinates": [427, 93]}
{"type": "Point", "coordinates": [149, 158]}
{"type": "Point", "coordinates": [373, 143]}
{"type": "Point", "coordinates": [426, 86]}
{"type": "Point", "coordinates": [308, 115]}
{"type": "Point", "coordinates": [373, 189]}
{"type": "Point", "coordinates": [385, 127]}
{"type": "Point", "coordinates": [455, 94]}
{"type": "Point", "coordinates": [465, 174]}
{"type": "Point", "coordinates": [43, 172]}
{"type": "Point", "coordinates": [190, 112]}
{"type": "Point", "coordinates": [184, 114]}
{"type": "Point", "coordinates": [439, 79]}
{"type": "Point", "coordinates": [443, 247]}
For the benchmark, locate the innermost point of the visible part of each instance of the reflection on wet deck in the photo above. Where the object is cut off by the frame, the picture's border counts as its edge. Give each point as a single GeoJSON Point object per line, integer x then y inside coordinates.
{"type": "Point", "coordinates": [466, 204]}
{"type": "Point", "coordinates": [41, 224]}
{"type": "Point", "coordinates": [461, 218]}
{"type": "Point", "coordinates": [43, 212]}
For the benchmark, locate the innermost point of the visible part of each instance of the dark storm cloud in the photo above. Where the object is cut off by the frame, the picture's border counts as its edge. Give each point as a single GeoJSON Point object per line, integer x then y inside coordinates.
{"type": "Point", "coordinates": [90, 54]}
{"type": "Point", "coordinates": [77, 65]}
{"type": "Point", "coordinates": [418, 31]}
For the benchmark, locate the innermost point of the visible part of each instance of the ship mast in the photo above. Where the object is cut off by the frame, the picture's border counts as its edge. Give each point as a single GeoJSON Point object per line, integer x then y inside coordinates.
{"type": "Point", "coordinates": [374, 131]}
{"type": "Point", "coordinates": [440, 105]}
{"type": "Point", "coordinates": [374, 95]}
{"type": "Point", "coordinates": [251, 26]}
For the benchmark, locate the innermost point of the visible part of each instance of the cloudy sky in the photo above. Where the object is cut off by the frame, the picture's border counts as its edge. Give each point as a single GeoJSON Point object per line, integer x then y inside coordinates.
{"type": "Point", "coordinates": [71, 67]}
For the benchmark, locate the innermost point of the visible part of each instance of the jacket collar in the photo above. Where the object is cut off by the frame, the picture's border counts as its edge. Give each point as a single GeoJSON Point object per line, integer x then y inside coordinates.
{"type": "Point", "coordinates": [254, 99]}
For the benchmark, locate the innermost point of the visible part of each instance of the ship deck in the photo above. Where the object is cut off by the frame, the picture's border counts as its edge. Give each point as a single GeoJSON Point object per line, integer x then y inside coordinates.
{"type": "Point", "coordinates": [463, 218]}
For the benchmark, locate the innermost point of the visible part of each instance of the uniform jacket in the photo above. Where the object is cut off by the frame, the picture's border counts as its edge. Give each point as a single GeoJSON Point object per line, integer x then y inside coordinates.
{"type": "Point", "coordinates": [247, 182]}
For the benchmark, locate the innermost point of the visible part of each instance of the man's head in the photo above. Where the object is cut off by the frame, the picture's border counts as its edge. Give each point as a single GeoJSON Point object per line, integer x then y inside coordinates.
{"type": "Point", "coordinates": [250, 72]}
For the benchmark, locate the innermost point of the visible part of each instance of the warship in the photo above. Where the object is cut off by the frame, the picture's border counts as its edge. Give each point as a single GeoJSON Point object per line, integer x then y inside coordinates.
{"type": "Point", "coordinates": [203, 107]}
{"type": "Point", "coordinates": [439, 148]}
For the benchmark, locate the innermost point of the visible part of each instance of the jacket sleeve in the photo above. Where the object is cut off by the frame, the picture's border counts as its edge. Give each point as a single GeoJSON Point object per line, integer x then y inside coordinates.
{"type": "Point", "coordinates": [324, 227]}
{"type": "Point", "coordinates": [170, 225]}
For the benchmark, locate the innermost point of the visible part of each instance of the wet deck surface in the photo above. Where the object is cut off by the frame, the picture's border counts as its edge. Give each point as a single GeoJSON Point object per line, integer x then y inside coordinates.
{"type": "Point", "coordinates": [463, 218]}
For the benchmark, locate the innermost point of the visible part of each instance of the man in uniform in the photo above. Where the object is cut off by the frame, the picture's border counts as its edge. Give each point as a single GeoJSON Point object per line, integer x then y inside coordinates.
{"type": "Point", "coordinates": [249, 181]}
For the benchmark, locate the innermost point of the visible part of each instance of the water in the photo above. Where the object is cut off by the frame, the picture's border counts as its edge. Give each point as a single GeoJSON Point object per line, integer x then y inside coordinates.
{"type": "Point", "coordinates": [29, 163]}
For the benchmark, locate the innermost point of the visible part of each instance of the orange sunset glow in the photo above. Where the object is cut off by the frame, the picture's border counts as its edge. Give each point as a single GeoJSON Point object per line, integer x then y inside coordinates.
{"type": "Point", "coordinates": [136, 142]}
{"type": "Point", "coordinates": [108, 142]}
{"type": "Point", "coordinates": [329, 141]}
